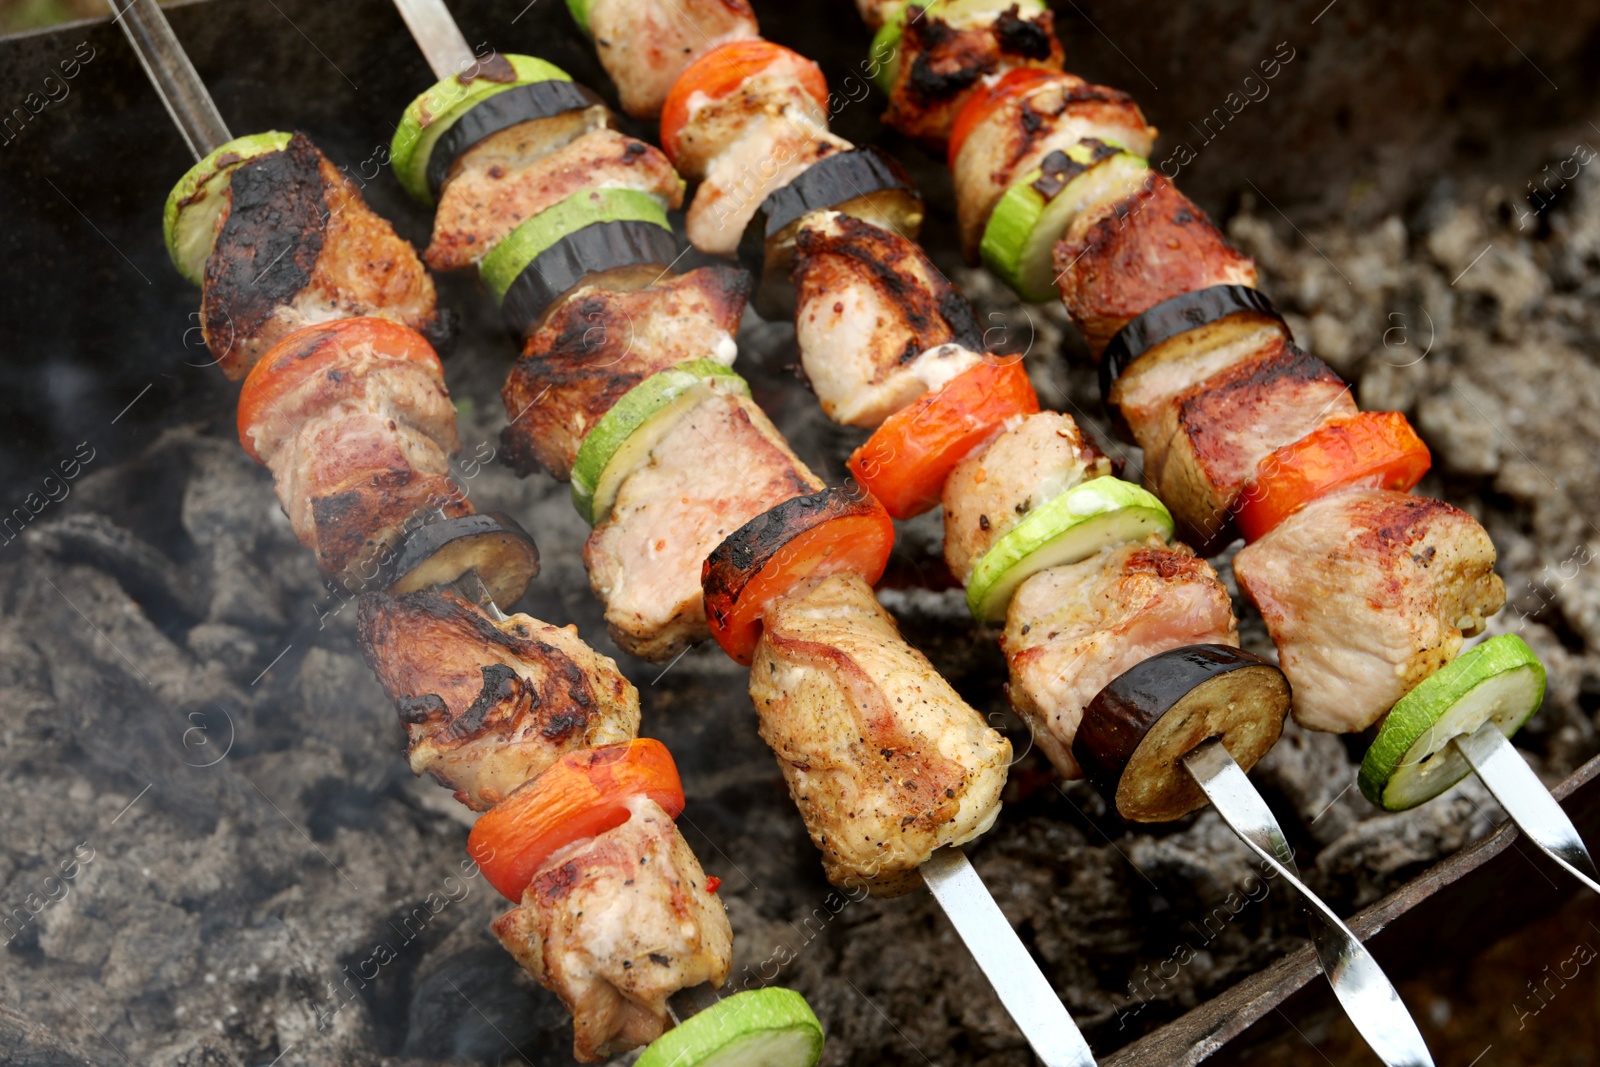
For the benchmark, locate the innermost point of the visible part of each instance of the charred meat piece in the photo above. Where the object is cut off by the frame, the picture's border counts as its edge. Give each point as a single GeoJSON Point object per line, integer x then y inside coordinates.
{"type": "Point", "coordinates": [599, 343]}
{"type": "Point", "coordinates": [1367, 592]}
{"type": "Point", "coordinates": [502, 181]}
{"type": "Point", "coordinates": [776, 94]}
{"type": "Point", "coordinates": [723, 464]}
{"type": "Point", "coordinates": [885, 761]}
{"type": "Point", "coordinates": [296, 245]}
{"type": "Point", "coordinates": [940, 62]}
{"type": "Point", "coordinates": [1212, 437]}
{"type": "Point", "coordinates": [1114, 264]}
{"type": "Point", "coordinates": [995, 488]}
{"type": "Point", "coordinates": [1051, 117]}
{"type": "Point", "coordinates": [645, 44]}
{"type": "Point", "coordinates": [1072, 629]}
{"type": "Point", "coordinates": [869, 304]}
{"type": "Point", "coordinates": [767, 157]}
{"type": "Point", "coordinates": [489, 704]}
{"type": "Point", "coordinates": [616, 925]}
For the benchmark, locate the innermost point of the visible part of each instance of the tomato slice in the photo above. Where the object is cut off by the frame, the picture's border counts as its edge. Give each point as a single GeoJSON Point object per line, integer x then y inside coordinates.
{"type": "Point", "coordinates": [906, 461]}
{"type": "Point", "coordinates": [836, 531]}
{"type": "Point", "coordinates": [579, 796]}
{"type": "Point", "coordinates": [721, 71]}
{"type": "Point", "coordinates": [1375, 449]}
{"type": "Point", "coordinates": [986, 100]}
{"type": "Point", "coordinates": [313, 350]}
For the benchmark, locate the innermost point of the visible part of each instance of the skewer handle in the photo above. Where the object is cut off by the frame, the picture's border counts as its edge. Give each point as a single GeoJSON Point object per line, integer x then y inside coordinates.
{"type": "Point", "coordinates": [169, 69]}
{"type": "Point", "coordinates": [1023, 989]}
{"type": "Point", "coordinates": [1527, 801]}
{"type": "Point", "coordinates": [437, 35]}
{"type": "Point", "coordinates": [1367, 995]}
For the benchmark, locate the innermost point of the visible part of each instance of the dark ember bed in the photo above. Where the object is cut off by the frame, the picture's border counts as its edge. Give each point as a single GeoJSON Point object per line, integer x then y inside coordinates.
{"type": "Point", "coordinates": [187, 726]}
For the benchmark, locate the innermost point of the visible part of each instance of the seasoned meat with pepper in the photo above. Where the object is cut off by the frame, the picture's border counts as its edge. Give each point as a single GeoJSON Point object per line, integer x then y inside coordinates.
{"type": "Point", "coordinates": [775, 94]}
{"type": "Point", "coordinates": [598, 343]}
{"type": "Point", "coordinates": [1115, 264]}
{"type": "Point", "coordinates": [1037, 459]}
{"type": "Point", "coordinates": [1366, 592]}
{"type": "Point", "coordinates": [1052, 116]}
{"type": "Point", "coordinates": [1212, 436]}
{"type": "Point", "coordinates": [877, 324]}
{"type": "Point", "coordinates": [511, 176]}
{"type": "Point", "coordinates": [885, 761]}
{"type": "Point", "coordinates": [723, 464]}
{"type": "Point", "coordinates": [615, 925]}
{"type": "Point", "coordinates": [769, 156]}
{"type": "Point", "coordinates": [488, 704]}
{"type": "Point", "coordinates": [296, 245]}
{"type": "Point", "coordinates": [1070, 630]}
{"type": "Point", "coordinates": [645, 44]}
{"type": "Point", "coordinates": [941, 61]}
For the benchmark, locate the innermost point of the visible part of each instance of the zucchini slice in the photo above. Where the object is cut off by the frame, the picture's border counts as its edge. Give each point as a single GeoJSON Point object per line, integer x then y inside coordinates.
{"type": "Point", "coordinates": [961, 14]}
{"type": "Point", "coordinates": [769, 1027]}
{"type": "Point", "coordinates": [588, 232]}
{"type": "Point", "coordinates": [493, 544]}
{"type": "Point", "coordinates": [622, 439]}
{"type": "Point", "coordinates": [863, 183]}
{"type": "Point", "coordinates": [1137, 729]}
{"type": "Point", "coordinates": [579, 9]}
{"type": "Point", "coordinates": [1065, 529]}
{"type": "Point", "coordinates": [1170, 318]}
{"type": "Point", "coordinates": [1019, 240]}
{"type": "Point", "coordinates": [564, 110]}
{"type": "Point", "coordinates": [431, 114]}
{"type": "Point", "coordinates": [189, 220]}
{"type": "Point", "coordinates": [1412, 760]}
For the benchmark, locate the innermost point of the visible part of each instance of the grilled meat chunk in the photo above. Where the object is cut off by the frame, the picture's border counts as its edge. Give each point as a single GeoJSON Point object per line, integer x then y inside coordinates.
{"type": "Point", "coordinates": [870, 307]}
{"type": "Point", "coordinates": [1070, 630]}
{"type": "Point", "coordinates": [769, 156]}
{"type": "Point", "coordinates": [723, 464]}
{"type": "Point", "coordinates": [1213, 436]}
{"type": "Point", "coordinates": [1037, 459]}
{"type": "Point", "coordinates": [1052, 116]}
{"type": "Point", "coordinates": [1366, 592]}
{"type": "Point", "coordinates": [1144, 392]}
{"type": "Point", "coordinates": [617, 924]}
{"type": "Point", "coordinates": [296, 245]}
{"type": "Point", "coordinates": [599, 343]}
{"type": "Point", "coordinates": [358, 454]}
{"type": "Point", "coordinates": [1117, 263]}
{"type": "Point", "coordinates": [885, 761]}
{"type": "Point", "coordinates": [511, 176]}
{"type": "Point", "coordinates": [941, 61]}
{"type": "Point", "coordinates": [774, 95]}
{"type": "Point", "coordinates": [489, 704]}
{"type": "Point", "coordinates": [645, 44]}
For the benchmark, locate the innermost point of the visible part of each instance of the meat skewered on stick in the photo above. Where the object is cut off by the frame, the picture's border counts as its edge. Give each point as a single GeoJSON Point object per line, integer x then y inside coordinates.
{"type": "Point", "coordinates": [1013, 973]}
{"type": "Point", "coordinates": [522, 719]}
{"type": "Point", "coordinates": [900, 307]}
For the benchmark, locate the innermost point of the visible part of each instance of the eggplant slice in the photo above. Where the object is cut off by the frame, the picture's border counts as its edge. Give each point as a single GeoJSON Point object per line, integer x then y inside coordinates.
{"type": "Point", "coordinates": [1136, 730]}
{"type": "Point", "coordinates": [862, 183]}
{"type": "Point", "coordinates": [1168, 319]}
{"type": "Point", "coordinates": [524, 103]}
{"type": "Point", "coordinates": [492, 544]}
{"type": "Point", "coordinates": [593, 250]}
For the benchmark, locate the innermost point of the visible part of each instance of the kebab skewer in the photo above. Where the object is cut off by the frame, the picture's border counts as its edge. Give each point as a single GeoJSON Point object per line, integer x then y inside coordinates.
{"type": "Point", "coordinates": [1030, 500]}
{"type": "Point", "coordinates": [523, 720]}
{"type": "Point", "coordinates": [887, 762]}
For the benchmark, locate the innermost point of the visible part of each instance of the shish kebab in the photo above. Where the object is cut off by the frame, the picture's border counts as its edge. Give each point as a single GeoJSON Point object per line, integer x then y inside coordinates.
{"type": "Point", "coordinates": [1239, 427]}
{"type": "Point", "coordinates": [565, 219]}
{"type": "Point", "coordinates": [1242, 432]}
{"type": "Point", "coordinates": [1118, 632]}
{"type": "Point", "coordinates": [522, 719]}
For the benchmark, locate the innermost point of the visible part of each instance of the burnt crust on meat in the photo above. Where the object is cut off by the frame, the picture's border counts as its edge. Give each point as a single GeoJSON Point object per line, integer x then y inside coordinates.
{"type": "Point", "coordinates": [928, 303]}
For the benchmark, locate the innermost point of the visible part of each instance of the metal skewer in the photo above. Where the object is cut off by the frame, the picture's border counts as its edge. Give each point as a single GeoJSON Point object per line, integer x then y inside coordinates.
{"type": "Point", "coordinates": [167, 65]}
{"type": "Point", "coordinates": [1368, 997]}
{"type": "Point", "coordinates": [1527, 801]}
{"type": "Point", "coordinates": [1015, 976]}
